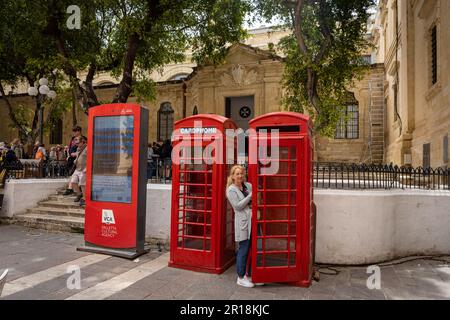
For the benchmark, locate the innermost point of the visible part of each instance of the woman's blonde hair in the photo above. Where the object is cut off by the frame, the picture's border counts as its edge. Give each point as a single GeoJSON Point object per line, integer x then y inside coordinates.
{"type": "Point", "coordinates": [233, 169]}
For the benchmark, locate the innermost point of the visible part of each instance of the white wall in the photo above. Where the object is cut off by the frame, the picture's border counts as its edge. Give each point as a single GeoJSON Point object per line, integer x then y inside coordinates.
{"type": "Point", "coordinates": [22, 194]}
{"type": "Point", "coordinates": [356, 227]}
{"type": "Point", "coordinates": [353, 227]}
{"type": "Point", "coordinates": [157, 221]}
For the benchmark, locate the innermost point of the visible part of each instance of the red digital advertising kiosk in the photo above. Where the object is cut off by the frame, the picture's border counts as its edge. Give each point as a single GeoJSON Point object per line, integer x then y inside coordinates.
{"type": "Point", "coordinates": [116, 180]}
{"type": "Point", "coordinates": [283, 219]}
{"type": "Point", "coordinates": [202, 222]}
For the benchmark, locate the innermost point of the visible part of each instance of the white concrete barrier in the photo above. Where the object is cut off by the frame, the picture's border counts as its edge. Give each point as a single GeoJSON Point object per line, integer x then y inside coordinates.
{"type": "Point", "coordinates": [353, 227]}
{"type": "Point", "coordinates": [157, 221]}
{"type": "Point", "coordinates": [358, 227]}
{"type": "Point", "coordinates": [22, 194]}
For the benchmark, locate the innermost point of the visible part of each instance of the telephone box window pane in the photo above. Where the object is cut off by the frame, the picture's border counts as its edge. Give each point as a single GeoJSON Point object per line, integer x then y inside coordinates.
{"type": "Point", "coordinates": [292, 259]}
{"type": "Point", "coordinates": [194, 218]}
{"type": "Point", "coordinates": [276, 260]}
{"type": "Point", "coordinates": [197, 190]}
{"type": "Point", "coordinates": [274, 182]}
{"type": "Point", "coordinates": [280, 198]}
{"type": "Point", "coordinates": [284, 153]}
{"type": "Point", "coordinates": [259, 260]}
{"type": "Point", "coordinates": [285, 167]}
{"type": "Point", "coordinates": [277, 213]}
{"type": "Point", "coordinates": [112, 159]}
{"type": "Point", "coordinates": [277, 229]}
{"type": "Point", "coordinates": [293, 245]}
{"type": "Point", "coordinates": [196, 244]}
{"type": "Point", "coordinates": [292, 228]}
{"type": "Point", "coordinates": [196, 204]}
{"type": "Point", "coordinates": [276, 244]}
{"type": "Point", "coordinates": [197, 167]}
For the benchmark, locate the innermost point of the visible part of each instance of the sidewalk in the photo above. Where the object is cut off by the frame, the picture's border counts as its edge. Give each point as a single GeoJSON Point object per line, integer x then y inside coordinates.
{"type": "Point", "coordinates": [38, 262]}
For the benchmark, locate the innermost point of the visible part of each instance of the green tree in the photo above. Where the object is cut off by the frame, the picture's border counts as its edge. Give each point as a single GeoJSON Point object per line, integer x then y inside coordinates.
{"type": "Point", "coordinates": [323, 53]}
{"type": "Point", "coordinates": [129, 38]}
{"type": "Point", "coordinates": [132, 38]}
{"type": "Point", "coordinates": [25, 59]}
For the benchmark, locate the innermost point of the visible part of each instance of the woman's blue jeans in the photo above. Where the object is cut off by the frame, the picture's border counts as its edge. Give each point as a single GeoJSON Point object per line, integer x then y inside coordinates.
{"type": "Point", "coordinates": [241, 259]}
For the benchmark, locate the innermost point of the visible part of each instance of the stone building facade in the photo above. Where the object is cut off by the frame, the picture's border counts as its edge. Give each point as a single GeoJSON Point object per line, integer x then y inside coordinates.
{"type": "Point", "coordinates": [413, 42]}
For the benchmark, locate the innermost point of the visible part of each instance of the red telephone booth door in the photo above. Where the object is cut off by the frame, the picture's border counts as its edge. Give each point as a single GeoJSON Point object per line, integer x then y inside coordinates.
{"type": "Point", "coordinates": [193, 225]}
{"type": "Point", "coordinates": [276, 248]}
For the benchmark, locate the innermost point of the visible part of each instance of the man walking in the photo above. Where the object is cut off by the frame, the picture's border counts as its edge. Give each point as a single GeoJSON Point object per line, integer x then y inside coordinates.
{"type": "Point", "coordinates": [78, 178]}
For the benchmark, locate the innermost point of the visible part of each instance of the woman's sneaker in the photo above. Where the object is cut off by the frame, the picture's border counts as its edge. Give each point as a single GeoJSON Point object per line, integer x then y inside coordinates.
{"type": "Point", "coordinates": [256, 283]}
{"type": "Point", "coordinates": [245, 282]}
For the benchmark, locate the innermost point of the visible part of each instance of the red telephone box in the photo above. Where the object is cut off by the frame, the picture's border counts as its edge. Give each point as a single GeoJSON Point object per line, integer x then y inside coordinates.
{"type": "Point", "coordinates": [202, 224]}
{"type": "Point", "coordinates": [283, 219]}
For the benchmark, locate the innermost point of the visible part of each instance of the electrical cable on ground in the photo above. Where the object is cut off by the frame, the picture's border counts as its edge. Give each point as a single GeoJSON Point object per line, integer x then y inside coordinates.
{"type": "Point", "coordinates": [335, 271]}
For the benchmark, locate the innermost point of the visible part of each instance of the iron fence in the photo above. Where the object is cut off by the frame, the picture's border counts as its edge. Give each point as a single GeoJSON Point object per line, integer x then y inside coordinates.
{"type": "Point", "coordinates": [159, 170]}
{"type": "Point", "coordinates": [373, 176]}
{"type": "Point", "coordinates": [25, 169]}
{"type": "Point", "coordinates": [326, 175]}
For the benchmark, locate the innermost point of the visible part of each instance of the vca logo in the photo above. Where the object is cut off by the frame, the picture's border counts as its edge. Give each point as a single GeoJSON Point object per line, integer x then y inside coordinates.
{"type": "Point", "coordinates": [108, 217]}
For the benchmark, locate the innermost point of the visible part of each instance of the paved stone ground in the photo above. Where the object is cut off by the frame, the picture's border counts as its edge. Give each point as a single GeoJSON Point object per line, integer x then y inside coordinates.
{"type": "Point", "coordinates": [32, 254]}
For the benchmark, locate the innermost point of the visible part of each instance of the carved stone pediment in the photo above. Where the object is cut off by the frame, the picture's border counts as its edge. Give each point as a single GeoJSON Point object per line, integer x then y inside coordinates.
{"type": "Point", "coordinates": [239, 76]}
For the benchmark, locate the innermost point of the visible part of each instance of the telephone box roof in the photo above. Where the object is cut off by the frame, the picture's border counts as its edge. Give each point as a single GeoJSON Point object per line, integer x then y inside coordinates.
{"type": "Point", "coordinates": [210, 117]}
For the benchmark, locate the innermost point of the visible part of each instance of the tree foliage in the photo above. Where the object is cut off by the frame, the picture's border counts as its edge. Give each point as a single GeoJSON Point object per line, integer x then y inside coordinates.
{"type": "Point", "coordinates": [323, 53]}
{"type": "Point", "coordinates": [25, 58]}
{"type": "Point", "coordinates": [129, 38]}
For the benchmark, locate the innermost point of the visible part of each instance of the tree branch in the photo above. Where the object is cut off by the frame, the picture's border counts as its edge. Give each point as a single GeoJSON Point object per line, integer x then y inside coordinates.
{"type": "Point", "coordinates": [298, 28]}
{"type": "Point", "coordinates": [124, 89]}
{"type": "Point", "coordinates": [91, 96]}
{"type": "Point", "coordinates": [10, 109]}
{"type": "Point", "coordinates": [155, 10]}
{"type": "Point", "coordinates": [85, 99]}
{"type": "Point", "coordinates": [324, 30]}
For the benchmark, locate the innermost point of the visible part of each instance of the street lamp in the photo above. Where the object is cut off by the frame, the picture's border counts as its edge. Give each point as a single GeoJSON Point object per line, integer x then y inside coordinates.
{"type": "Point", "coordinates": [40, 93]}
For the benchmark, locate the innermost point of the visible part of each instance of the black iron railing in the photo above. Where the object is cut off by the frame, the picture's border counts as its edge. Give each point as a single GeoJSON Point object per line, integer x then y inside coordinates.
{"type": "Point", "coordinates": [159, 170]}
{"type": "Point", "coordinates": [25, 169]}
{"type": "Point", "coordinates": [365, 176]}
{"type": "Point", "coordinates": [326, 175]}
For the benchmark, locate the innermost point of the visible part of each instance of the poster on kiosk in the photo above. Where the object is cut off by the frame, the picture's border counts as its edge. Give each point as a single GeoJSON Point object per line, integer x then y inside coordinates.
{"type": "Point", "coordinates": [116, 180]}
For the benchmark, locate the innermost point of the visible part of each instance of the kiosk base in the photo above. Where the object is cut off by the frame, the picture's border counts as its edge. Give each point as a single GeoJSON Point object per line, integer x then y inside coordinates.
{"type": "Point", "coordinates": [128, 254]}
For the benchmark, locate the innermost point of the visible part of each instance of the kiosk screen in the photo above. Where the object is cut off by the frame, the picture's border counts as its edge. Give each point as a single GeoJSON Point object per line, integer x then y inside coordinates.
{"type": "Point", "coordinates": [112, 157]}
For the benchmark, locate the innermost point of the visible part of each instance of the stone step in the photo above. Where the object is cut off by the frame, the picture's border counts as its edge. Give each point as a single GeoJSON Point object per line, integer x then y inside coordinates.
{"type": "Point", "coordinates": [60, 192]}
{"type": "Point", "coordinates": [68, 204]}
{"type": "Point", "coordinates": [50, 222]}
{"type": "Point", "coordinates": [58, 211]}
{"type": "Point", "coordinates": [60, 197]}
